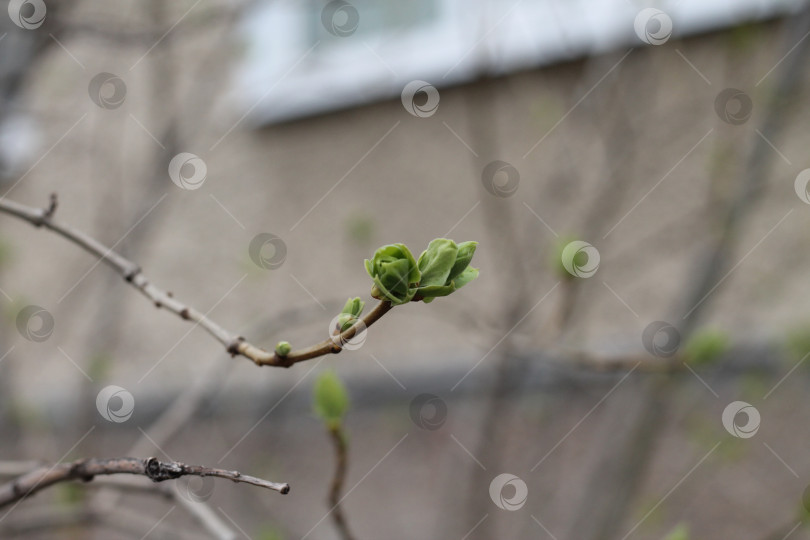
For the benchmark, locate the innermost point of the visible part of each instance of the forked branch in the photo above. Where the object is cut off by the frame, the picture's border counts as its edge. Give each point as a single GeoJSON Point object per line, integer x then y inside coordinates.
{"type": "Point", "coordinates": [132, 274]}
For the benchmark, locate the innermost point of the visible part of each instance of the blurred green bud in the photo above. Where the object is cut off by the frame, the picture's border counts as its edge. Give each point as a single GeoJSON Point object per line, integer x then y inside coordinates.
{"type": "Point", "coordinates": [797, 343]}
{"type": "Point", "coordinates": [394, 272]}
{"type": "Point", "coordinates": [331, 401]}
{"type": "Point", "coordinates": [445, 267]}
{"type": "Point", "coordinates": [681, 532]}
{"type": "Point", "coordinates": [556, 257]}
{"type": "Point", "coordinates": [705, 347]}
{"type": "Point", "coordinates": [283, 348]}
{"type": "Point", "coordinates": [268, 532]}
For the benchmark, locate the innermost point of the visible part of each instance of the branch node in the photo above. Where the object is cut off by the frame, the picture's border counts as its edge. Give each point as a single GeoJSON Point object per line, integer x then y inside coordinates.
{"type": "Point", "coordinates": [158, 471]}
{"type": "Point", "coordinates": [233, 346]}
{"type": "Point", "coordinates": [51, 209]}
{"type": "Point", "coordinates": [185, 313]}
{"type": "Point", "coordinates": [131, 272]}
{"type": "Point", "coordinates": [77, 471]}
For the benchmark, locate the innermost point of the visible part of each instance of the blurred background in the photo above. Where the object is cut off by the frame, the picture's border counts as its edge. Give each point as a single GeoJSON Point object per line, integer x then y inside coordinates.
{"type": "Point", "coordinates": [632, 356]}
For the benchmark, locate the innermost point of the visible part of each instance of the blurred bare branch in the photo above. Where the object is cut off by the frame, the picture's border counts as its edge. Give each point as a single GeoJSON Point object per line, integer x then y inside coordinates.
{"type": "Point", "coordinates": [131, 272]}
{"type": "Point", "coordinates": [340, 445]}
{"type": "Point", "coordinates": [86, 469]}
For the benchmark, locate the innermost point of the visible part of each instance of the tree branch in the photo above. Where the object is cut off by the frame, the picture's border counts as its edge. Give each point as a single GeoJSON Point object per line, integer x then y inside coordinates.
{"type": "Point", "coordinates": [87, 469]}
{"type": "Point", "coordinates": [336, 488]}
{"type": "Point", "coordinates": [131, 272]}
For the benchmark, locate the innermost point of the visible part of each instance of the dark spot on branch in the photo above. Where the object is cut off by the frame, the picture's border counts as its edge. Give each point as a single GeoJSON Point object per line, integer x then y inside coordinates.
{"type": "Point", "coordinates": [51, 207]}
{"type": "Point", "coordinates": [132, 272]}
{"type": "Point", "coordinates": [233, 346]}
{"type": "Point", "coordinates": [158, 471]}
{"type": "Point", "coordinates": [77, 471]}
{"type": "Point", "coordinates": [185, 314]}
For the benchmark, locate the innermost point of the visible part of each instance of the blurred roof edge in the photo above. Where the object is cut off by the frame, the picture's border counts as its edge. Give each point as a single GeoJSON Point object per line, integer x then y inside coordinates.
{"type": "Point", "coordinates": [302, 62]}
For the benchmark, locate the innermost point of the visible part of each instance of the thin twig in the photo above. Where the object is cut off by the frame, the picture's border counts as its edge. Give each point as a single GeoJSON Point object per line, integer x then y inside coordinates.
{"type": "Point", "coordinates": [341, 464]}
{"type": "Point", "coordinates": [131, 272]}
{"type": "Point", "coordinates": [87, 469]}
